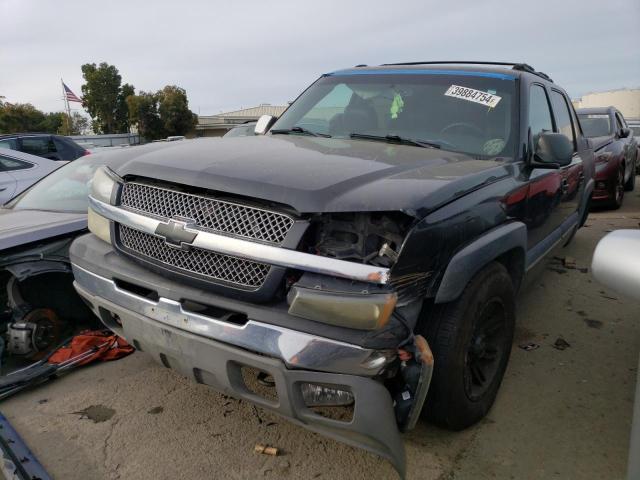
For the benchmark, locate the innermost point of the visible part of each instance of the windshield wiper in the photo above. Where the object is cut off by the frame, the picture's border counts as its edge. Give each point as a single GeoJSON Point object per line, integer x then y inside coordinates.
{"type": "Point", "coordinates": [302, 130]}
{"type": "Point", "coordinates": [397, 139]}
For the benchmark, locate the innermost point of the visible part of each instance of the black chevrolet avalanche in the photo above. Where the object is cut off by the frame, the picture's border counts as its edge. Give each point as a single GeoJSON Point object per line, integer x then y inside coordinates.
{"type": "Point", "coordinates": [354, 265]}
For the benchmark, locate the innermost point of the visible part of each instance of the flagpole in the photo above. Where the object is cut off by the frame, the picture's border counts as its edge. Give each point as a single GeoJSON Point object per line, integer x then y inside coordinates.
{"type": "Point", "coordinates": [68, 109]}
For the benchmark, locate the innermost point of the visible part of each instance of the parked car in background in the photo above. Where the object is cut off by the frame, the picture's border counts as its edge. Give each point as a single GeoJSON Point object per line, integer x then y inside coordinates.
{"type": "Point", "coordinates": [243, 130]}
{"type": "Point", "coordinates": [634, 125]}
{"type": "Point", "coordinates": [376, 234]}
{"type": "Point", "coordinates": [36, 229]}
{"type": "Point", "coordinates": [616, 152]}
{"type": "Point", "coordinates": [19, 171]}
{"type": "Point", "coordinates": [53, 147]}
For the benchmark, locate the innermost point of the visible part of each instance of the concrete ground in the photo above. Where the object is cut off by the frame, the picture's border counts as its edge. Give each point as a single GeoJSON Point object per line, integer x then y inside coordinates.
{"type": "Point", "coordinates": [559, 414]}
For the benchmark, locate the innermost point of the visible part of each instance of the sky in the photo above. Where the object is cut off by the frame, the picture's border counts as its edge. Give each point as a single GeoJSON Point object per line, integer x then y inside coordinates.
{"type": "Point", "coordinates": [229, 55]}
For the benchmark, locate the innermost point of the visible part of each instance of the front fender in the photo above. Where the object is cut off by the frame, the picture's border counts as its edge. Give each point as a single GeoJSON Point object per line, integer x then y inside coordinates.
{"type": "Point", "coordinates": [468, 261]}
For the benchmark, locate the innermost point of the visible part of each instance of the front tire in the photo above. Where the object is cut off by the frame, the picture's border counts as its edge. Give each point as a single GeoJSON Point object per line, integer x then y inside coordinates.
{"type": "Point", "coordinates": [618, 191]}
{"type": "Point", "coordinates": [471, 342]}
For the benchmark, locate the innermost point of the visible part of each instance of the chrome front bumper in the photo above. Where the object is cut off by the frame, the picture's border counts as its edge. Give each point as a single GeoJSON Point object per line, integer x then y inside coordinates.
{"type": "Point", "coordinates": [296, 349]}
{"type": "Point", "coordinates": [213, 352]}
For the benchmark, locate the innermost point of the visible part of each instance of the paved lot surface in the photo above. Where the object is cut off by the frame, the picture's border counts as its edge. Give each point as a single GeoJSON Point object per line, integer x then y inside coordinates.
{"type": "Point", "coordinates": [560, 413]}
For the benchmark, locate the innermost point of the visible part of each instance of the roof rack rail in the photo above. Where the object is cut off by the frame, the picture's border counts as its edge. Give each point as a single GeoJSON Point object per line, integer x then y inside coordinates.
{"type": "Point", "coordinates": [522, 67]}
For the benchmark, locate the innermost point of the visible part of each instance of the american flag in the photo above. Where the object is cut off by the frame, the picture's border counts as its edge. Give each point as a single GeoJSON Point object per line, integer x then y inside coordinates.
{"type": "Point", "coordinates": [71, 97]}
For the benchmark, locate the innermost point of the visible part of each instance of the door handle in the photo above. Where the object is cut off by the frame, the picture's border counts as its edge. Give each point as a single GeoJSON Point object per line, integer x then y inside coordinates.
{"type": "Point", "coordinates": [3, 189]}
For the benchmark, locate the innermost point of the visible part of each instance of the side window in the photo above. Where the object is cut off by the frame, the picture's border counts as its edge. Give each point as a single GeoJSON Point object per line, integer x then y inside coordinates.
{"type": "Point", "coordinates": [38, 145]}
{"type": "Point", "coordinates": [8, 164]}
{"type": "Point", "coordinates": [65, 150]}
{"type": "Point", "coordinates": [9, 143]}
{"type": "Point", "coordinates": [539, 113]}
{"type": "Point", "coordinates": [563, 117]}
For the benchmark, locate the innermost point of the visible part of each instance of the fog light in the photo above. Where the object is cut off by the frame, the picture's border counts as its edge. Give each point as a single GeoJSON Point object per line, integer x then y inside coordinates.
{"type": "Point", "coordinates": [315, 395]}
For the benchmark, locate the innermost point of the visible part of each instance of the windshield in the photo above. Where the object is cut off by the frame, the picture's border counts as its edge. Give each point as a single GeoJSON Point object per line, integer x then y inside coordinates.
{"type": "Point", "coordinates": [64, 190]}
{"type": "Point", "coordinates": [595, 124]}
{"type": "Point", "coordinates": [466, 112]}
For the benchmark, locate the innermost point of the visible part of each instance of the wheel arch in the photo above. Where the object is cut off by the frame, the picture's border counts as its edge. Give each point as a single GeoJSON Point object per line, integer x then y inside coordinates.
{"type": "Point", "coordinates": [505, 244]}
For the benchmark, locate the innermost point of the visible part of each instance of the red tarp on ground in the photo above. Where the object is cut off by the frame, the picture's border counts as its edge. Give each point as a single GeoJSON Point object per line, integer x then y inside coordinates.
{"type": "Point", "coordinates": [107, 345]}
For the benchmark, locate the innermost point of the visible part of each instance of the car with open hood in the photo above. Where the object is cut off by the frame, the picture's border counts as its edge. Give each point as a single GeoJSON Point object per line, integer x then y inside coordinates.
{"type": "Point", "coordinates": [355, 264]}
{"type": "Point", "coordinates": [36, 228]}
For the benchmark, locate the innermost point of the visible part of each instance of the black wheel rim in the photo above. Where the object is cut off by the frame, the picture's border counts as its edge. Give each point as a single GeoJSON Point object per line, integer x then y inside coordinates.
{"type": "Point", "coordinates": [486, 349]}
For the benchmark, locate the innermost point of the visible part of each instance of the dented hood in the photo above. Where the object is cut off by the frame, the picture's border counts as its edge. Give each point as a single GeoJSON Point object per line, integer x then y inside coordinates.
{"type": "Point", "coordinates": [314, 174]}
{"type": "Point", "coordinates": [23, 227]}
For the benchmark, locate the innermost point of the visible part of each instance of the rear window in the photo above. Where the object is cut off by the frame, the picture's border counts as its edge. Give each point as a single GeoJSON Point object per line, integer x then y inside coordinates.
{"type": "Point", "coordinates": [595, 124]}
{"type": "Point", "coordinates": [38, 145]}
{"type": "Point", "coordinates": [8, 164]}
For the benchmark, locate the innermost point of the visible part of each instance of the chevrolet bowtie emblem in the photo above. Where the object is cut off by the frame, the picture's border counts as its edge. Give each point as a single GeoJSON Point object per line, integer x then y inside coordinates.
{"type": "Point", "coordinates": [176, 233]}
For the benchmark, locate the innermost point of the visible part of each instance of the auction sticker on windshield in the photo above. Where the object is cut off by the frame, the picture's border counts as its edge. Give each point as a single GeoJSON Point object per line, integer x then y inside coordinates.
{"type": "Point", "coordinates": [471, 95]}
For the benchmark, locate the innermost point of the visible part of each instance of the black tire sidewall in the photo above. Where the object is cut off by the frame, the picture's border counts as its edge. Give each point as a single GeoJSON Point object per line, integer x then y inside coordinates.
{"type": "Point", "coordinates": [448, 404]}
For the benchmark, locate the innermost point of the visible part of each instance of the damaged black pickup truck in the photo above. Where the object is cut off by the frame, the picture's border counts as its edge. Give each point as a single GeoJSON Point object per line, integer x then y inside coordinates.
{"type": "Point", "coordinates": [361, 256]}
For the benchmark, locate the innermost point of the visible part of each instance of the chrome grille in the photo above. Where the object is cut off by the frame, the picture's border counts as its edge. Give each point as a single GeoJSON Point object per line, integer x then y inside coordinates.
{"type": "Point", "coordinates": [208, 213]}
{"type": "Point", "coordinates": [212, 265]}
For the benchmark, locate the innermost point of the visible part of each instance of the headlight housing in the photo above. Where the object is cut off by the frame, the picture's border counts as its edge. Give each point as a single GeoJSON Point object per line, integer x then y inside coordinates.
{"type": "Point", "coordinates": [103, 184]}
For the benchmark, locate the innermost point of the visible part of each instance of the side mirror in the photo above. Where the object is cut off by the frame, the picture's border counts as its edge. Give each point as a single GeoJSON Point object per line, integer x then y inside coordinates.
{"type": "Point", "coordinates": [265, 122]}
{"type": "Point", "coordinates": [552, 150]}
{"type": "Point", "coordinates": [624, 132]}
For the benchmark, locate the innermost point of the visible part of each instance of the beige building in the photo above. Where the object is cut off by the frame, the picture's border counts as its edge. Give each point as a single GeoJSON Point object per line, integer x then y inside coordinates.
{"type": "Point", "coordinates": [627, 100]}
{"type": "Point", "coordinates": [218, 125]}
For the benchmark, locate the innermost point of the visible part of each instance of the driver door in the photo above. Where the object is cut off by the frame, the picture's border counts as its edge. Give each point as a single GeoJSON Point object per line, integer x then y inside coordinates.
{"type": "Point", "coordinates": [544, 215]}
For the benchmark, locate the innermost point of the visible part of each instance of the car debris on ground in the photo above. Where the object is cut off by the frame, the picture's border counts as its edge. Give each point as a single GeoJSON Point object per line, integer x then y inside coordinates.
{"type": "Point", "coordinates": [561, 344]}
{"type": "Point", "coordinates": [17, 463]}
{"type": "Point", "coordinates": [82, 349]}
{"type": "Point", "coordinates": [266, 450]}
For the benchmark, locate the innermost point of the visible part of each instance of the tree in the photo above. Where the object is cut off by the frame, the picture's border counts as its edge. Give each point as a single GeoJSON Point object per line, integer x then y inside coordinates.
{"type": "Point", "coordinates": [143, 113]}
{"type": "Point", "coordinates": [173, 108]}
{"type": "Point", "coordinates": [21, 117]}
{"type": "Point", "coordinates": [79, 124]}
{"type": "Point", "coordinates": [104, 98]}
{"type": "Point", "coordinates": [54, 122]}
{"type": "Point", "coordinates": [122, 112]}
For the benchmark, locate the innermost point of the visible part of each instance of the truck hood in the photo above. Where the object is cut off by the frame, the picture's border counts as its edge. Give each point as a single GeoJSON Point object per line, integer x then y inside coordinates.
{"type": "Point", "coordinates": [314, 174]}
{"type": "Point", "coordinates": [23, 227]}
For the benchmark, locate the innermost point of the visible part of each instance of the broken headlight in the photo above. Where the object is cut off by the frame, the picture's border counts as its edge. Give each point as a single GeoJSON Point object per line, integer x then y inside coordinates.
{"type": "Point", "coordinates": [103, 184]}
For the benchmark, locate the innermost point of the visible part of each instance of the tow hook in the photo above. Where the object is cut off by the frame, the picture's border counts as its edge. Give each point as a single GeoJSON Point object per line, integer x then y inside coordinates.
{"type": "Point", "coordinates": [415, 374]}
